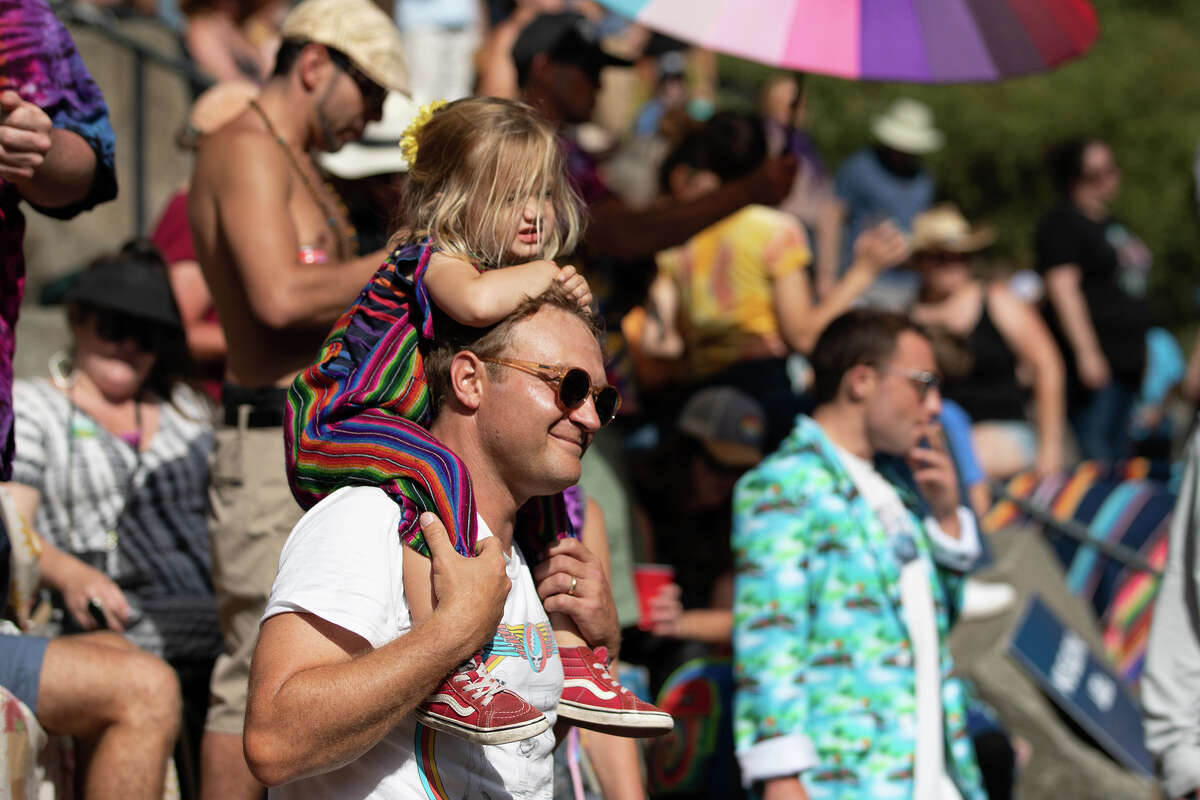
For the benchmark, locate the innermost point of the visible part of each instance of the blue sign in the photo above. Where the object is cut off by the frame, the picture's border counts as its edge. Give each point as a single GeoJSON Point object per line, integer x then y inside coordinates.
{"type": "Point", "coordinates": [1081, 685]}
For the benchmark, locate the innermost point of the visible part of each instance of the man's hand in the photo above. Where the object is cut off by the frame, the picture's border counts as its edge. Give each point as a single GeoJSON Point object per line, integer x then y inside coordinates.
{"type": "Point", "coordinates": [784, 789]}
{"type": "Point", "coordinates": [771, 182]}
{"type": "Point", "coordinates": [590, 604]}
{"type": "Point", "coordinates": [933, 472]}
{"type": "Point", "coordinates": [471, 591]}
{"type": "Point", "coordinates": [24, 137]}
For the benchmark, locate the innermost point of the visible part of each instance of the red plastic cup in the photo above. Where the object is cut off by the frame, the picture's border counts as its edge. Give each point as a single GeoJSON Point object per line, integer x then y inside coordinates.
{"type": "Point", "coordinates": [650, 580]}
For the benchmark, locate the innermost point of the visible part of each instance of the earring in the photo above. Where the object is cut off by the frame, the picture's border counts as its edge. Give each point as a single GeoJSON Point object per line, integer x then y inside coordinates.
{"type": "Point", "coordinates": [62, 370]}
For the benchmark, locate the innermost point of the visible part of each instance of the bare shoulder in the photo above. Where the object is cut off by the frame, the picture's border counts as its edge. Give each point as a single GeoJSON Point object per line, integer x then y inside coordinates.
{"type": "Point", "coordinates": [238, 152]}
{"type": "Point", "coordinates": [1003, 300]}
{"type": "Point", "coordinates": [1009, 312]}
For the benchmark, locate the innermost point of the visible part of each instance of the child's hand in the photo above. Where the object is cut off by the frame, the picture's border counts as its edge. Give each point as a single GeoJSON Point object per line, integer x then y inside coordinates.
{"type": "Point", "coordinates": [575, 285]}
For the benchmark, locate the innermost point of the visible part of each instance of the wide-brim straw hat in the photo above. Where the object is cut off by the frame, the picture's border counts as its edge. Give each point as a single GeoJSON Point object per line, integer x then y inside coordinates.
{"type": "Point", "coordinates": [907, 126]}
{"type": "Point", "coordinates": [359, 30]}
{"type": "Point", "coordinates": [944, 229]}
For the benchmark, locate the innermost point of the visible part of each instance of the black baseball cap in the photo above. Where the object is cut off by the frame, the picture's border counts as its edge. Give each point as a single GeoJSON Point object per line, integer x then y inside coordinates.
{"type": "Point", "coordinates": [567, 38]}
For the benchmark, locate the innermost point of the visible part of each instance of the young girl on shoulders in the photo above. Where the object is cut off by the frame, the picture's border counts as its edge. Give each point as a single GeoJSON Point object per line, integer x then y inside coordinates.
{"type": "Point", "coordinates": [487, 208]}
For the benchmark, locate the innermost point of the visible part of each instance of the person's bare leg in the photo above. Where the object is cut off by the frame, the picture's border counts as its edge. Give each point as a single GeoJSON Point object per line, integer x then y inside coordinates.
{"type": "Point", "coordinates": [224, 774]}
{"type": "Point", "coordinates": [418, 585]}
{"type": "Point", "coordinates": [123, 701]}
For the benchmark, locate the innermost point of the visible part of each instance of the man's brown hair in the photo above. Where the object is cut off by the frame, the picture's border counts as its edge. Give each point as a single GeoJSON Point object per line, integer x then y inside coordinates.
{"type": "Point", "coordinates": [451, 338]}
{"type": "Point", "coordinates": [861, 336]}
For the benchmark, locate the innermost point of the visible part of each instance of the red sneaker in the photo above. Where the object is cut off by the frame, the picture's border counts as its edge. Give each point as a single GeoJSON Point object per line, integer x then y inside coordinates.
{"type": "Point", "coordinates": [472, 705]}
{"type": "Point", "coordinates": [592, 698]}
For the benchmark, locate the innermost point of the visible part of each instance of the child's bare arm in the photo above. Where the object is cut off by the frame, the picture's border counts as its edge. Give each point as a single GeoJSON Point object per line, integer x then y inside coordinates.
{"type": "Point", "coordinates": [418, 585]}
{"type": "Point", "coordinates": [479, 299]}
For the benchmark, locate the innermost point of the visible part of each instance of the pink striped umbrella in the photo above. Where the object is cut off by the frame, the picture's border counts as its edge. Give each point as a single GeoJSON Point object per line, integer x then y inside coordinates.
{"type": "Point", "coordinates": [921, 41]}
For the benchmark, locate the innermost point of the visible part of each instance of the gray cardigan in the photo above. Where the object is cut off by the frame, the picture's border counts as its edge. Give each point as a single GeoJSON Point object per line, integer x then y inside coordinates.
{"type": "Point", "coordinates": [1171, 680]}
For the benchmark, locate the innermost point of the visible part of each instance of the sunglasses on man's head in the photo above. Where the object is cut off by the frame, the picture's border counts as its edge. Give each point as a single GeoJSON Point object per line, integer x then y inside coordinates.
{"type": "Point", "coordinates": [372, 93]}
{"type": "Point", "coordinates": [573, 385]}
{"type": "Point", "coordinates": [113, 326]}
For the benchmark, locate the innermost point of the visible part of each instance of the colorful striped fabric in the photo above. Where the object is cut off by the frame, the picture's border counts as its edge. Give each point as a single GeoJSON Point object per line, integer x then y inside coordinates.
{"type": "Point", "coordinates": [1128, 503]}
{"type": "Point", "coordinates": [357, 417]}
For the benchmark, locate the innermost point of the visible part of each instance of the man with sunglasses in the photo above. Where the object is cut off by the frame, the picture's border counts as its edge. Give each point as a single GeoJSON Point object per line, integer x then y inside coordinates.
{"type": "Point", "coordinates": [852, 548]}
{"type": "Point", "coordinates": [339, 666]}
{"type": "Point", "coordinates": [280, 256]}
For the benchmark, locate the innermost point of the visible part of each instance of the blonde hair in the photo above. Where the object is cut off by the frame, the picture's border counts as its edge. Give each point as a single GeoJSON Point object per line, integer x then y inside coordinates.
{"type": "Point", "coordinates": [478, 160]}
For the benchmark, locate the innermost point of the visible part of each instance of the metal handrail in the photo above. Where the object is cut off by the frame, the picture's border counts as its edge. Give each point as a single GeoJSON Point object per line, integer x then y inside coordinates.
{"type": "Point", "coordinates": [1076, 530]}
{"type": "Point", "coordinates": [84, 15]}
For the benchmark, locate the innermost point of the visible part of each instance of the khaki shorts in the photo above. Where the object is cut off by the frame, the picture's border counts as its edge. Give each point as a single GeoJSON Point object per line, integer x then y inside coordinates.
{"type": "Point", "coordinates": [252, 513]}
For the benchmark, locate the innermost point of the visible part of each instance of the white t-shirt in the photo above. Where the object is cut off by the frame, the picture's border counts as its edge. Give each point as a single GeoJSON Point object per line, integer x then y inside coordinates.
{"type": "Point", "coordinates": [916, 599]}
{"type": "Point", "coordinates": [342, 563]}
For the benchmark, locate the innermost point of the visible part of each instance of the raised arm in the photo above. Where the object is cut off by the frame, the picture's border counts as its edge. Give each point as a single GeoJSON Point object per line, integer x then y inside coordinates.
{"type": "Point", "coordinates": [252, 203]}
{"type": "Point", "coordinates": [622, 232]}
{"type": "Point", "coordinates": [320, 696]}
{"type": "Point", "coordinates": [51, 167]}
{"type": "Point", "coordinates": [1030, 340]}
{"type": "Point", "coordinates": [661, 337]}
{"type": "Point", "coordinates": [801, 318]}
{"type": "Point", "coordinates": [481, 298]}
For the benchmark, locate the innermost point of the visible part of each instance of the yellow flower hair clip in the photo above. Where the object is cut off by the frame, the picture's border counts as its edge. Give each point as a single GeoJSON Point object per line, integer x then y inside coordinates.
{"type": "Point", "coordinates": [408, 142]}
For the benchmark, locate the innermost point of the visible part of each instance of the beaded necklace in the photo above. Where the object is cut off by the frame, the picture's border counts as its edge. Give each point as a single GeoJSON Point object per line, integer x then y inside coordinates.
{"type": "Point", "coordinates": [335, 224]}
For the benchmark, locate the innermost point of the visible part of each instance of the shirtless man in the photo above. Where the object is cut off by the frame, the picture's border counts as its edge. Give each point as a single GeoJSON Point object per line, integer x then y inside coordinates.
{"type": "Point", "coordinates": [279, 255]}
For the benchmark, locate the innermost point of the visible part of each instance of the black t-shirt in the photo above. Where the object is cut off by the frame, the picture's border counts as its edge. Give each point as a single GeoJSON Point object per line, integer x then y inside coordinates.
{"type": "Point", "coordinates": [1114, 265]}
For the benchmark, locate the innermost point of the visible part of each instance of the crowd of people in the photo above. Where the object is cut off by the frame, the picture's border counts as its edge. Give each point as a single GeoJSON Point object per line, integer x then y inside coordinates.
{"type": "Point", "coordinates": [420, 438]}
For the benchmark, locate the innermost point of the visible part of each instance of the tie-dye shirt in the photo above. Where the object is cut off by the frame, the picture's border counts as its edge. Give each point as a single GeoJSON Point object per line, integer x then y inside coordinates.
{"type": "Point", "coordinates": [39, 61]}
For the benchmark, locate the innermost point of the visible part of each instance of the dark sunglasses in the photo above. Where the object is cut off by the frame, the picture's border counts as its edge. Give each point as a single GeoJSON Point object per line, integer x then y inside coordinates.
{"type": "Point", "coordinates": [943, 257]}
{"type": "Point", "coordinates": [113, 326]}
{"type": "Point", "coordinates": [923, 381]}
{"type": "Point", "coordinates": [372, 93]}
{"type": "Point", "coordinates": [573, 385]}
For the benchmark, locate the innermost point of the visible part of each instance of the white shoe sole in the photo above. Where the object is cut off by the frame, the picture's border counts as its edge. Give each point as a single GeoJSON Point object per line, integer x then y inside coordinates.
{"type": "Point", "coordinates": [630, 724]}
{"type": "Point", "coordinates": [506, 735]}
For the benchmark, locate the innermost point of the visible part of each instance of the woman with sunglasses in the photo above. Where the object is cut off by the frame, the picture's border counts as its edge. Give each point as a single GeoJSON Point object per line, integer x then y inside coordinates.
{"type": "Point", "coordinates": [111, 470]}
{"type": "Point", "coordinates": [1097, 272]}
{"type": "Point", "coordinates": [1001, 334]}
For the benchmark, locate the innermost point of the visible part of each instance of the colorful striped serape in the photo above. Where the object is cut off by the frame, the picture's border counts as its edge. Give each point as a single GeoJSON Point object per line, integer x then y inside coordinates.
{"type": "Point", "coordinates": [358, 417]}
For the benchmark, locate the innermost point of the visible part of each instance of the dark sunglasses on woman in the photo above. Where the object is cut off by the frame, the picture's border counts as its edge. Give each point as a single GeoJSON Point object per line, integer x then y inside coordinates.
{"type": "Point", "coordinates": [572, 384]}
{"type": "Point", "coordinates": [113, 326]}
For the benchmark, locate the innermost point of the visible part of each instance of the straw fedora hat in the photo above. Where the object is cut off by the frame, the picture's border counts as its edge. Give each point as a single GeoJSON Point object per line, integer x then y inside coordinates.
{"type": "Point", "coordinates": [944, 228]}
{"type": "Point", "coordinates": [907, 126]}
{"type": "Point", "coordinates": [359, 30]}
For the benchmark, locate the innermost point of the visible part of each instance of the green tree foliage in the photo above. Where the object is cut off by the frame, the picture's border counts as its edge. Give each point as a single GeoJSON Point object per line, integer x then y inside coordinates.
{"type": "Point", "coordinates": [1138, 89]}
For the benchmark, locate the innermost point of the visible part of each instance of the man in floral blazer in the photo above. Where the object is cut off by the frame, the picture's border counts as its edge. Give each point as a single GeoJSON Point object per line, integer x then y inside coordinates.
{"type": "Point", "coordinates": [850, 545]}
